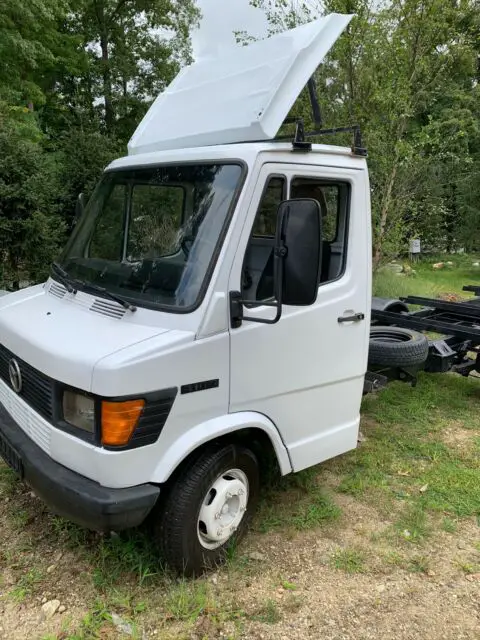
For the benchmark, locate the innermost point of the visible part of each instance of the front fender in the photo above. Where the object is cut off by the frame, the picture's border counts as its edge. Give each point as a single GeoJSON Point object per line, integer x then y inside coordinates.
{"type": "Point", "coordinates": [221, 426]}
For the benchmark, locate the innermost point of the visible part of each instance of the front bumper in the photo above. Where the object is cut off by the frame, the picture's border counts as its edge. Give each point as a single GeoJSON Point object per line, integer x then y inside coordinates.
{"type": "Point", "coordinates": [69, 494]}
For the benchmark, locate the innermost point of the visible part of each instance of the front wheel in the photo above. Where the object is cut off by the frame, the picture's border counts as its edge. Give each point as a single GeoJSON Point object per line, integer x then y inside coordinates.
{"type": "Point", "coordinates": [208, 508]}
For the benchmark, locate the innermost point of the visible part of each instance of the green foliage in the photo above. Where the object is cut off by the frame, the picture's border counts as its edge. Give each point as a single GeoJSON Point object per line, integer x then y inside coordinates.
{"type": "Point", "coordinates": [30, 227]}
{"type": "Point", "coordinates": [76, 77]}
{"type": "Point", "coordinates": [407, 71]}
{"type": "Point", "coordinates": [133, 51]}
{"type": "Point", "coordinates": [29, 40]}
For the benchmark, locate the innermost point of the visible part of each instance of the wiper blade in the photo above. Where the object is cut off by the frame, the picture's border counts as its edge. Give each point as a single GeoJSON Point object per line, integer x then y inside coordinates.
{"type": "Point", "coordinates": [64, 278]}
{"type": "Point", "coordinates": [68, 283]}
{"type": "Point", "coordinates": [95, 287]}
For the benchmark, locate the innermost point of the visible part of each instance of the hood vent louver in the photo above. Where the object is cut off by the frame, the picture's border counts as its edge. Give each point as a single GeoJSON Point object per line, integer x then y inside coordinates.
{"type": "Point", "coordinates": [57, 290]}
{"type": "Point", "coordinates": [106, 308]}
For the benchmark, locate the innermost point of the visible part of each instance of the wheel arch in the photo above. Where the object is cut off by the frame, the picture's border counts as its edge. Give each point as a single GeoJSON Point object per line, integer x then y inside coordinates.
{"type": "Point", "coordinates": [251, 429]}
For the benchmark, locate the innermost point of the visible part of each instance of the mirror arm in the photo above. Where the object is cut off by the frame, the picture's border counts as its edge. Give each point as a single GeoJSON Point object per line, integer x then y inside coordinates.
{"type": "Point", "coordinates": [237, 303]}
{"type": "Point", "coordinates": [236, 310]}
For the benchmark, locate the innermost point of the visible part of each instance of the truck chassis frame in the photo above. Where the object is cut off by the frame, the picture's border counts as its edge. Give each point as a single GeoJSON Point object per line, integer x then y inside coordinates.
{"type": "Point", "coordinates": [456, 346]}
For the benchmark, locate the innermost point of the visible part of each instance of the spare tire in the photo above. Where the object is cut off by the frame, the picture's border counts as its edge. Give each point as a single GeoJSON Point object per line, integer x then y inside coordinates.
{"type": "Point", "coordinates": [397, 347]}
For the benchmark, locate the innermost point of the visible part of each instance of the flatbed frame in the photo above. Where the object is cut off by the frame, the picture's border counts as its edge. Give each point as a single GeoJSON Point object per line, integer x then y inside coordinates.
{"type": "Point", "coordinates": [457, 347]}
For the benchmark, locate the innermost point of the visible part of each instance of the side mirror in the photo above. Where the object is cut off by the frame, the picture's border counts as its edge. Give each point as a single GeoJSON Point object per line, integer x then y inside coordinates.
{"type": "Point", "coordinates": [298, 259]}
{"type": "Point", "coordinates": [79, 207]}
{"type": "Point", "coordinates": [299, 243]}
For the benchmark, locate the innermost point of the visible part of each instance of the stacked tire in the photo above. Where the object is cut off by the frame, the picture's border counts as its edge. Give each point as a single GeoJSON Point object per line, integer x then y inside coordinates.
{"type": "Point", "coordinates": [397, 347]}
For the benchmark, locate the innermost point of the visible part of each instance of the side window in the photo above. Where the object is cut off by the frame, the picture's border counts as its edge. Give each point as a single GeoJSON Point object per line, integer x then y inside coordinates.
{"type": "Point", "coordinates": [266, 219]}
{"type": "Point", "coordinates": [333, 200]}
{"type": "Point", "coordinates": [258, 264]}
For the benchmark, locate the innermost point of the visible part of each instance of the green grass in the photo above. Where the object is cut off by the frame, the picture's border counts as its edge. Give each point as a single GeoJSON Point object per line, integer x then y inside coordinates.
{"type": "Point", "coordinates": [9, 482]}
{"type": "Point", "coordinates": [406, 464]}
{"type": "Point", "coordinates": [131, 555]}
{"type": "Point", "coordinates": [468, 567]}
{"type": "Point", "coordinates": [98, 624]}
{"type": "Point", "coordinates": [449, 525]}
{"type": "Point", "coordinates": [187, 600]}
{"type": "Point", "coordinates": [27, 585]}
{"type": "Point", "coordinates": [428, 282]}
{"type": "Point", "coordinates": [268, 613]}
{"type": "Point", "coordinates": [412, 525]}
{"type": "Point", "coordinates": [301, 512]}
{"type": "Point", "coordinates": [289, 586]}
{"type": "Point", "coordinates": [419, 564]}
{"type": "Point", "coordinates": [349, 560]}
{"type": "Point", "coordinates": [405, 459]}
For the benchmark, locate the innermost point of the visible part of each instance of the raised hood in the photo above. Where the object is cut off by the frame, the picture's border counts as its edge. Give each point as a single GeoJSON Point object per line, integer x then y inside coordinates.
{"type": "Point", "coordinates": [244, 95]}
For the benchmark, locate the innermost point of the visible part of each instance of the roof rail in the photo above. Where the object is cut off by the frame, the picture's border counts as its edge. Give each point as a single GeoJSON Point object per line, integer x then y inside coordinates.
{"type": "Point", "coordinates": [300, 142]}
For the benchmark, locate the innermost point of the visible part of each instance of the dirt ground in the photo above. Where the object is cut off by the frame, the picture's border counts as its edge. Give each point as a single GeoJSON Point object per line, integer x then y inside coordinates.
{"type": "Point", "coordinates": [344, 581]}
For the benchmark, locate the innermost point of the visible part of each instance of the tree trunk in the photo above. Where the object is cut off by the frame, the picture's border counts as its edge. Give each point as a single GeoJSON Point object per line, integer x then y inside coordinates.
{"type": "Point", "coordinates": [387, 198]}
{"type": "Point", "coordinates": [378, 253]}
{"type": "Point", "coordinates": [106, 71]}
{"type": "Point", "coordinates": [107, 84]}
{"type": "Point", "coordinates": [451, 217]}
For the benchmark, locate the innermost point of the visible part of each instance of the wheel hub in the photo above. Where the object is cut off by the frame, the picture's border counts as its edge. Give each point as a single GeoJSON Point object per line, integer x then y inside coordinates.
{"type": "Point", "coordinates": [223, 509]}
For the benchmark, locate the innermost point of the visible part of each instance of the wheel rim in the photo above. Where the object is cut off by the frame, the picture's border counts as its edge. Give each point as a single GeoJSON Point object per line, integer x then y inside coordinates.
{"type": "Point", "coordinates": [223, 509]}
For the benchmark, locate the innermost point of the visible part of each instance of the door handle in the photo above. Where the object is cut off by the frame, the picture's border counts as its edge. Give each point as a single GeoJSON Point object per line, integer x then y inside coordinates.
{"type": "Point", "coordinates": [357, 317]}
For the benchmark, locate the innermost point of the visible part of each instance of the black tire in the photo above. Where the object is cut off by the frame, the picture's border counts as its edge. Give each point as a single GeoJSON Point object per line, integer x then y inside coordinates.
{"type": "Point", "coordinates": [176, 528]}
{"type": "Point", "coordinates": [397, 347]}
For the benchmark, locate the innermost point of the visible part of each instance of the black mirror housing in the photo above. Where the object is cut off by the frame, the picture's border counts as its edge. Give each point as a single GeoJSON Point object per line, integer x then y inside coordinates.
{"type": "Point", "coordinates": [299, 243]}
{"type": "Point", "coordinates": [298, 259]}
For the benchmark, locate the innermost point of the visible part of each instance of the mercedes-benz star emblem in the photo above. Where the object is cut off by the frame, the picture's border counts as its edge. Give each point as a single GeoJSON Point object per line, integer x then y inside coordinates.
{"type": "Point", "coordinates": [15, 375]}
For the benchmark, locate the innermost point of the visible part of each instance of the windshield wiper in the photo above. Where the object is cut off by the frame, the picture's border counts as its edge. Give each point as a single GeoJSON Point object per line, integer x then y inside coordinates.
{"type": "Point", "coordinates": [107, 294]}
{"type": "Point", "coordinates": [64, 278]}
{"type": "Point", "coordinates": [68, 283]}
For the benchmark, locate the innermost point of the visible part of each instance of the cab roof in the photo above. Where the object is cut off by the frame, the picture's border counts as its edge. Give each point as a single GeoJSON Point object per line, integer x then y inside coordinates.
{"type": "Point", "coordinates": [243, 95]}
{"type": "Point", "coordinates": [319, 154]}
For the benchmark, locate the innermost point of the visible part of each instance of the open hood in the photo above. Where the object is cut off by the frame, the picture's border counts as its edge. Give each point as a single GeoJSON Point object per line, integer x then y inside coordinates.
{"type": "Point", "coordinates": [244, 95]}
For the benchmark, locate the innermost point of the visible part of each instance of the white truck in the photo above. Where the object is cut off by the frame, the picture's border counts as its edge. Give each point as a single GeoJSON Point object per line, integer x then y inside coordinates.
{"type": "Point", "coordinates": [212, 305]}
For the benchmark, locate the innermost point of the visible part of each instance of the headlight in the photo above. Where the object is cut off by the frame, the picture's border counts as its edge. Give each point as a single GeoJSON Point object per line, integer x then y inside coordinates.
{"type": "Point", "coordinates": [79, 411]}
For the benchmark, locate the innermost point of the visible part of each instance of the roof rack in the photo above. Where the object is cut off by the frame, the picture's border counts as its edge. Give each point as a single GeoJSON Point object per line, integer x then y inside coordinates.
{"type": "Point", "coordinates": [300, 142]}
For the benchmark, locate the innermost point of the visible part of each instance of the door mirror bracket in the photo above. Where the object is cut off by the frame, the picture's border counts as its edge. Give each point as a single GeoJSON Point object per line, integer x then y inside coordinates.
{"type": "Point", "coordinates": [297, 262]}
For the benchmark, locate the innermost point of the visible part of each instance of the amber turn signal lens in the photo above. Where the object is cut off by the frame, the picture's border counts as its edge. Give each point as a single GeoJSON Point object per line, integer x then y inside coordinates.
{"type": "Point", "coordinates": [119, 420]}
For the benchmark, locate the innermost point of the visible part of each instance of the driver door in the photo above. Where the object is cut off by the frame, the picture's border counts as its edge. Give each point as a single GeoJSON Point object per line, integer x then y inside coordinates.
{"type": "Point", "coordinates": [306, 372]}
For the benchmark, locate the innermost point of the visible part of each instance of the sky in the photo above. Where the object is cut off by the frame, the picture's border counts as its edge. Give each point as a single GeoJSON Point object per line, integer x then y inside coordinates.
{"type": "Point", "coordinates": [221, 18]}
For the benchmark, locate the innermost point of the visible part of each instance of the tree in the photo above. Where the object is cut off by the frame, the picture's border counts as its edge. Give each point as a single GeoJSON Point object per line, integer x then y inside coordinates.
{"type": "Point", "coordinates": [134, 50]}
{"type": "Point", "coordinates": [405, 70]}
{"type": "Point", "coordinates": [29, 46]}
{"type": "Point", "coordinates": [30, 227]}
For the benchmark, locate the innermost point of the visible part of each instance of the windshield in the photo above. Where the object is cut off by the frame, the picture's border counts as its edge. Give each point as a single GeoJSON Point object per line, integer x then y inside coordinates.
{"type": "Point", "coordinates": [150, 235]}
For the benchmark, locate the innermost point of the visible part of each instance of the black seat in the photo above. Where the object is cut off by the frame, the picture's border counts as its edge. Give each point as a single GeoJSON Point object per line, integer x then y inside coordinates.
{"type": "Point", "coordinates": [326, 257]}
{"type": "Point", "coordinates": [265, 288]}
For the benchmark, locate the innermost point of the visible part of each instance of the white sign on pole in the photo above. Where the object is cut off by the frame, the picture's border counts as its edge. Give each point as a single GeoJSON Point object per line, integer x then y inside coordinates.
{"type": "Point", "coordinates": [415, 246]}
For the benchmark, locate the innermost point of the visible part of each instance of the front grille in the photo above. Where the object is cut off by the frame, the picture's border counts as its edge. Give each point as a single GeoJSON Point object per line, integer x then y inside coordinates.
{"type": "Point", "coordinates": [37, 388]}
